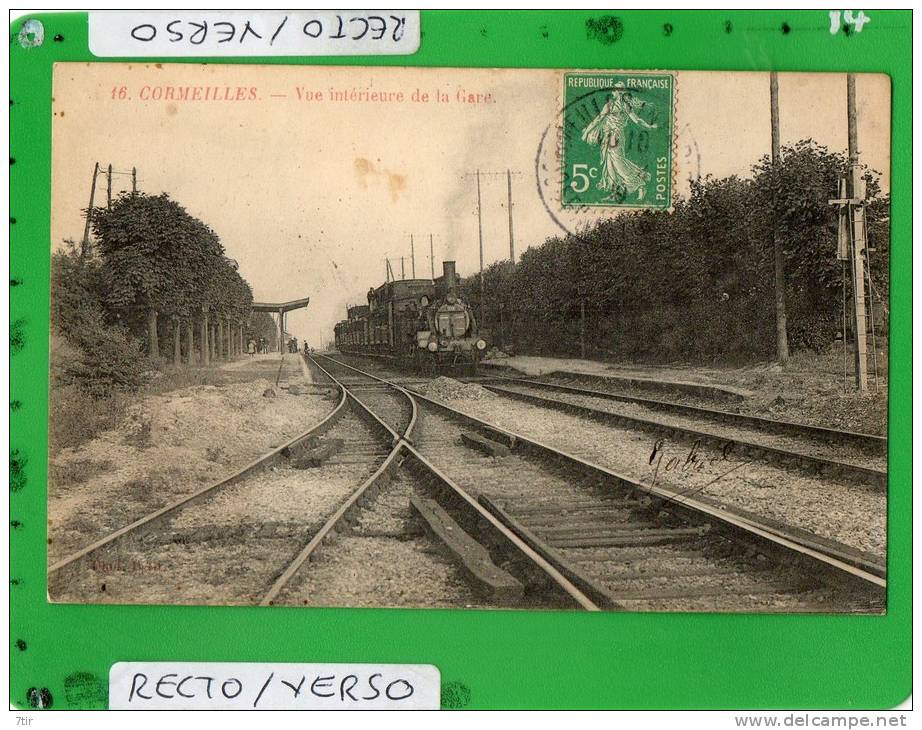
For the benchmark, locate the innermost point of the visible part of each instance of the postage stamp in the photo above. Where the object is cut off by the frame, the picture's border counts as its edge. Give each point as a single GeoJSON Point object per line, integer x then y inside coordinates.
{"type": "Point", "coordinates": [617, 142]}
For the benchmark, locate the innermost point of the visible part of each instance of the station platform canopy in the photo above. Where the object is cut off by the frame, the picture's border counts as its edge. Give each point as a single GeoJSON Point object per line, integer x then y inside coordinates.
{"type": "Point", "coordinates": [280, 307]}
{"type": "Point", "coordinates": [280, 310]}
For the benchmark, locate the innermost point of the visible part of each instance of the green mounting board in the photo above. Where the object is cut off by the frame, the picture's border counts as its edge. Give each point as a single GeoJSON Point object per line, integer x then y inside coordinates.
{"type": "Point", "coordinates": [61, 654]}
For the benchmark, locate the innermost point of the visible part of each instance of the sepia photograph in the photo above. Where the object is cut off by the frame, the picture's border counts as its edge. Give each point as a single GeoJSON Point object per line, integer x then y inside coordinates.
{"type": "Point", "coordinates": [469, 338]}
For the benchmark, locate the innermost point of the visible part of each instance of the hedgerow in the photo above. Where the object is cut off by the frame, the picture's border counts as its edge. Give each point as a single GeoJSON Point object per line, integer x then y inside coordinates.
{"type": "Point", "coordinates": [695, 283]}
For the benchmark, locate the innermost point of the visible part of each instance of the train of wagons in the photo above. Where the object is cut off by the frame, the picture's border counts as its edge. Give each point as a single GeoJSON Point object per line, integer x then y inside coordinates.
{"type": "Point", "coordinates": [421, 324]}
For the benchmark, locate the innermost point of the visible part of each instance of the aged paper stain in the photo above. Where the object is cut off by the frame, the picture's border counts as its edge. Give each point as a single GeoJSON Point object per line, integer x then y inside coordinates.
{"type": "Point", "coordinates": [366, 172]}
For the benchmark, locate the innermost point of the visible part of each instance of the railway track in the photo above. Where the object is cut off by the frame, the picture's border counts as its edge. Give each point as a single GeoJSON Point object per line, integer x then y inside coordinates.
{"type": "Point", "coordinates": [865, 443]}
{"type": "Point", "coordinates": [807, 448]}
{"type": "Point", "coordinates": [227, 543]}
{"type": "Point", "coordinates": [404, 476]}
{"type": "Point", "coordinates": [80, 566]}
{"type": "Point", "coordinates": [629, 545]}
{"type": "Point", "coordinates": [503, 569]}
{"type": "Point", "coordinates": [839, 517]}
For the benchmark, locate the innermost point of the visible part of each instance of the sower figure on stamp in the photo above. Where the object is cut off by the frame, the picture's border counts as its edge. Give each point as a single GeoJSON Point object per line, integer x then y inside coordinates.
{"type": "Point", "coordinates": [608, 131]}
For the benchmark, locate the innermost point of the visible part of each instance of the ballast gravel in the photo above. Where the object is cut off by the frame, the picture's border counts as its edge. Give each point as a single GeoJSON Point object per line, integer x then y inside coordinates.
{"type": "Point", "coordinates": [853, 515]}
{"type": "Point", "coordinates": [385, 558]}
{"type": "Point", "coordinates": [252, 528]}
{"type": "Point", "coordinates": [170, 445]}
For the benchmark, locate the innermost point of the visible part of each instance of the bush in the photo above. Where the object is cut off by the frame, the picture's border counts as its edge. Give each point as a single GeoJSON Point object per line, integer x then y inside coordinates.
{"type": "Point", "coordinates": [77, 417]}
{"type": "Point", "coordinates": [109, 361]}
{"type": "Point", "coordinates": [98, 356]}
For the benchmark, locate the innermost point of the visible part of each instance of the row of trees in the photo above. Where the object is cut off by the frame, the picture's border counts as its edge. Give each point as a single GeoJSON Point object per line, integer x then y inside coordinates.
{"type": "Point", "coordinates": [158, 260]}
{"type": "Point", "coordinates": [263, 326]}
{"type": "Point", "coordinates": [695, 283]}
{"type": "Point", "coordinates": [153, 272]}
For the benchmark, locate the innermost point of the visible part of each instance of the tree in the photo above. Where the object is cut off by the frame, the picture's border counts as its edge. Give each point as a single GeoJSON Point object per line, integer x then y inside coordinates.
{"type": "Point", "coordinates": [697, 282]}
{"type": "Point", "coordinates": [261, 324]}
{"type": "Point", "coordinates": [156, 259]}
{"type": "Point", "coordinates": [796, 195]}
{"type": "Point", "coordinates": [227, 296]}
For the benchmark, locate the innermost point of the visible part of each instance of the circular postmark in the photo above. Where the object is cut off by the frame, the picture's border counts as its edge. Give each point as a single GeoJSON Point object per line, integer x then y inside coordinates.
{"type": "Point", "coordinates": [688, 153]}
{"type": "Point", "coordinates": [610, 147]}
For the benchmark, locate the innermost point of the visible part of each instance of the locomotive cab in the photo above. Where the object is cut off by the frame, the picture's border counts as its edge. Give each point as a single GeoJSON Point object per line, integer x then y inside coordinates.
{"type": "Point", "coordinates": [453, 319]}
{"type": "Point", "coordinates": [419, 322]}
{"type": "Point", "coordinates": [450, 337]}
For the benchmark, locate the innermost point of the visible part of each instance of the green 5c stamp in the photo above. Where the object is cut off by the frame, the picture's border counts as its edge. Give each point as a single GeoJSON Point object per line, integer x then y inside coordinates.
{"type": "Point", "coordinates": [617, 140]}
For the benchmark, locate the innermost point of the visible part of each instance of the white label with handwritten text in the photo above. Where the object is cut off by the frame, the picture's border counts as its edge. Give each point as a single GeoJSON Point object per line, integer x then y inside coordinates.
{"type": "Point", "coordinates": [254, 33]}
{"type": "Point", "coordinates": [258, 686]}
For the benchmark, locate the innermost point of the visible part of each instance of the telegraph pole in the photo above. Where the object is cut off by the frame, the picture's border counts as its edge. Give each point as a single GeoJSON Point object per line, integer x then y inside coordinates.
{"type": "Point", "coordinates": [403, 274]}
{"type": "Point", "coordinates": [852, 247]}
{"type": "Point", "coordinates": [85, 244]}
{"type": "Point", "coordinates": [478, 174]}
{"type": "Point", "coordinates": [109, 188]}
{"type": "Point", "coordinates": [509, 206]}
{"type": "Point", "coordinates": [413, 256]}
{"type": "Point", "coordinates": [858, 240]}
{"type": "Point", "coordinates": [431, 255]}
{"type": "Point", "coordinates": [781, 325]}
{"type": "Point", "coordinates": [480, 236]}
{"type": "Point", "coordinates": [134, 180]}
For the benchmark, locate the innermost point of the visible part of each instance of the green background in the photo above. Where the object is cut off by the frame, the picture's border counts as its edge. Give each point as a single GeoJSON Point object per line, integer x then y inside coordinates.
{"type": "Point", "coordinates": [504, 659]}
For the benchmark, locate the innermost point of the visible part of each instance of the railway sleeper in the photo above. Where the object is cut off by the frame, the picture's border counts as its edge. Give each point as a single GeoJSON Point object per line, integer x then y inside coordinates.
{"type": "Point", "coordinates": [473, 557]}
{"type": "Point", "coordinates": [483, 444]}
{"type": "Point", "coordinates": [624, 529]}
{"type": "Point", "coordinates": [705, 572]}
{"type": "Point", "coordinates": [583, 506]}
{"type": "Point", "coordinates": [572, 572]}
{"type": "Point", "coordinates": [716, 591]}
{"type": "Point", "coordinates": [313, 457]}
{"type": "Point", "coordinates": [561, 524]}
{"type": "Point", "coordinates": [399, 535]}
{"type": "Point", "coordinates": [646, 537]}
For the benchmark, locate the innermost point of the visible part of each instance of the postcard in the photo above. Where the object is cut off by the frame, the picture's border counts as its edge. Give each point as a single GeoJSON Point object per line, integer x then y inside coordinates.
{"type": "Point", "coordinates": [469, 338]}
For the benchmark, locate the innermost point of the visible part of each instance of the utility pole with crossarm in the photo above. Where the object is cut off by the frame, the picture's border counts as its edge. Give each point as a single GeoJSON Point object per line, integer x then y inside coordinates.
{"type": "Point", "coordinates": [853, 239]}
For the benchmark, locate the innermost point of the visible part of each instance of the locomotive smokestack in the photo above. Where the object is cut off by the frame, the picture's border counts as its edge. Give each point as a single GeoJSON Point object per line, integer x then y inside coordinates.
{"type": "Point", "coordinates": [448, 275]}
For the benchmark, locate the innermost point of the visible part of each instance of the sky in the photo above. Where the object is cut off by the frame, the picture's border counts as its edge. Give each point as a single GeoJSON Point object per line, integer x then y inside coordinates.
{"type": "Point", "coordinates": [311, 193]}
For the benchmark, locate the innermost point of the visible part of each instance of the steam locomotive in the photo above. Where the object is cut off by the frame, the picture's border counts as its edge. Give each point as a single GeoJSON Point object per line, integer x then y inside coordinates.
{"type": "Point", "coordinates": [417, 323]}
